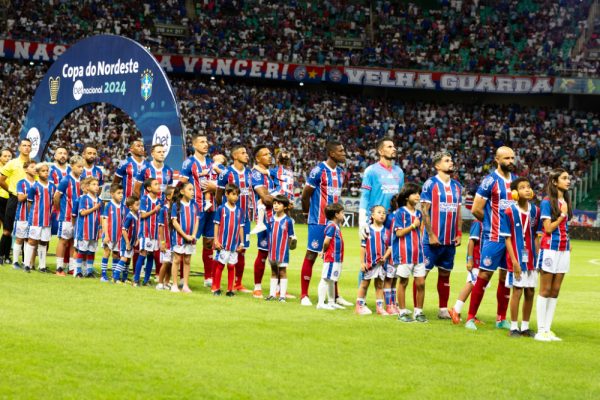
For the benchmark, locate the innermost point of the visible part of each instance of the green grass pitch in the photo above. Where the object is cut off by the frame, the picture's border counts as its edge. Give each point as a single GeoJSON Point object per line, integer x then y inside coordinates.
{"type": "Point", "coordinates": [62, 338]}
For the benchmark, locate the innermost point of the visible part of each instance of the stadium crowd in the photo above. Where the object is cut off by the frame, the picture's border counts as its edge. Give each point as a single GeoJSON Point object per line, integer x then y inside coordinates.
{"type": "Point", "coordinates": [506, 37]}
{"type": "Point", "coordinates": [304, 120]}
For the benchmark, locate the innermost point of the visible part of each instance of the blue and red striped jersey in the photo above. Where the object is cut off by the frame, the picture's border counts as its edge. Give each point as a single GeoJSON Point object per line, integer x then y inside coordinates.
{"type": "Point", "coordinates": [70, 190]}
{"type": "Point", "coordinates": [279, 231]}
{"type": "Point", "coordinates": [283, 178]}
{"type": "Point", "coordinates": [407, 249]}
{"type": "Point", "coordinates": [241, 179]}
{"type": "Point", "coordinates": [149, 225]}
{"type": "Point", "coordinates": [445, 200]}
{"type": "Point", "coordinates": [40, 196]}
{"type": "Point", "coordinates": [187, 214]}
{"type": "Point", "coordinates": [229, 220]}
{"type": "Point", "coordinates": [95, 172]}
{"type": "Point", "coordinates": [23, 187]}
{"type": "Point", "coordinates": [262, 180]}
{"type": "Point", "coordinates": [335, 251]}
{"type": "Point", "coordinates": [375, 245]}
{"type": "Point", "coordinates": [56, 174]}
{"type": "Point", "coordinates": [130, 225]}
{"type": "Point", "coordinates": [521, 226]}
{"type": "Point", "coordinates": [476, 234]}
{"type": "Point", "coordinates": [191, 169]}
{"type": "Point", "coordinates": [87, 225]}
{"type": "Point", "coordinates": [327, 184]}
{"type": "Point", "coordinates": [113, 213]}
{"type": "Point", "coordinates": [164, 176]}
{"type": "Point", "coordinates": [496, 190]}
{"type": "Point", "coordinates": [127, 171]}
{"type": "Point", "coordinates": [559, 238]}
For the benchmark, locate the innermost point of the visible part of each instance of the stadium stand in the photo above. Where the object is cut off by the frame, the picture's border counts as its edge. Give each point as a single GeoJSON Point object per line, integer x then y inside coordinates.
{"type": "Point", "coordinates": [304, 119]}
{"type": "Point", "coordinates": [506, 36]}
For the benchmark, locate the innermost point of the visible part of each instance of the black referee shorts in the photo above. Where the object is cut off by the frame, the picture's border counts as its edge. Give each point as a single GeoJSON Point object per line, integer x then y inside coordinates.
{"type": "Point", "coordinates": [3, 202]}
{"type": "Point", "coordinates": [11, 211]}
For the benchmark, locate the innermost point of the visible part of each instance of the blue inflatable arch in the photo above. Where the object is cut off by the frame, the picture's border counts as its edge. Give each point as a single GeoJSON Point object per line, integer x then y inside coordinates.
{"type": "Point", "coordinates": [107, 69]}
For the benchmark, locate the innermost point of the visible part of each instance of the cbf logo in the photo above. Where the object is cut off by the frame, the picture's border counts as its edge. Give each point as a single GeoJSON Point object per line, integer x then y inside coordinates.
{"type": "Point", "coordinates": [146, 86]}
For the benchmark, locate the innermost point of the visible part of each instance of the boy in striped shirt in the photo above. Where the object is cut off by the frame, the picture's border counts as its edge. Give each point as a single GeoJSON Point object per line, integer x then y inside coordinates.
{"type": "Point", "coordinates": [40, 222]}
{"type": "Point", "coordinates": [229, 230]}
{"type": "Point", "coordinates": [333, 256]}
{"type": "Point", "coordinates": [282, 239]}
{"type": "Point", "coordinates": [129, 238]}
{"type": "Point", "coordinates": [520, 222]}
{"type": "Point", "coordinates": [150, 206]}
{"type": "Point", "coordinates": [21, 227]}
{"type": "Point", "coordinates": [88, 224]}
{"type": "Point", "coordinates": [112, 218]}
{"type": "Point", "coordinates": [407, 251]}
{"type": "Point", "coordinates": [374, 252]}
{"type": "Point", "coordinates": [65, 199]}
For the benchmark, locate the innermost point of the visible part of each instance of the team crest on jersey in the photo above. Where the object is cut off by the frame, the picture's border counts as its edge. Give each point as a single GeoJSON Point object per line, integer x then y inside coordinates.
{"type": "Point", "coordinates": [257, 174]}
{"type": "Point", "coordinates": [314, 172]}
{"type": "Point", "coordinates": [315, 244]}
{"type": "Point", "coordinates": [487, 182]}
{"type": "Point", "coordinates": [427, 185]}
{"type": "Point", "coordinates": [487, 261]}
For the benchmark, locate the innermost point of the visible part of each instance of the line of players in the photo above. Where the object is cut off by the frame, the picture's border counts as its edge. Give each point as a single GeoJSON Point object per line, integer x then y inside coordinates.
{"type": "Point", "coordinates": [133, 229]}
{"type": "Point", "coordinates": [513, 235]}
{"type": "Point", "coordinates": [440, 199]}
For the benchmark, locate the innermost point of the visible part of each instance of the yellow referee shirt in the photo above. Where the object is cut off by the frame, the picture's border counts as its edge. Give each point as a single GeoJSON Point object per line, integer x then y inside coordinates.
{"type": "Point", "coordinates": [14, 172]}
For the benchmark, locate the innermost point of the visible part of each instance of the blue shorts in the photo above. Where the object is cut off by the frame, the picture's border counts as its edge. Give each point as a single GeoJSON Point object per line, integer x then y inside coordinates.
{"type": "Point", "coordinates": [54, 224]}
{"type": "Point", "coordinates": [439, 256]}
{"type": "Point", "coordinates": [316, 236]}
{"type": "Point", "coordinates": [206, 227]}
{"type": "Point", "coordinates": [493, 256]}
{"type": "Point", "coordinates": [246, 238]}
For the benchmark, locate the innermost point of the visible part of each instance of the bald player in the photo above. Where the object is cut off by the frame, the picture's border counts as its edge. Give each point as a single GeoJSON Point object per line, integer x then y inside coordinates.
{"type": "Point", "coordinates": [492, 198]}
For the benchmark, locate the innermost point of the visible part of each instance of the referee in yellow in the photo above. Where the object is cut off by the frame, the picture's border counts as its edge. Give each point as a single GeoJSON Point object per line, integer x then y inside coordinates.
{"type": "Point", "coordinates": [11, 173]}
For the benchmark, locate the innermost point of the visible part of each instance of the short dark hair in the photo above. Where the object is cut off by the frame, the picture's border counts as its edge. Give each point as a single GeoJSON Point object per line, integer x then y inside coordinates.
{"type": "Point", "coordinates": [24, 140]}
{"type": "Point", "coordinates": [282, 200]}
{"type": "Point", "coordinates": [331, 145]}
{"type": "Point", "coordinates": [114, 188]}
{"type": "Point", "coordinates": [408, 189]}
{"type": "Point", "coordinates": [235, 148]}
{"type": "Point", "coordinates": [259, 148]}
{"type": "Point", "coordinates": [437, 157]}
{"type": "Point", "coordinates": [332, 209]}
{"type": "Point", "coordinates": [148, 183]}
{"type": "Point", "coordinates": [155, 145]}
{"type": "Point", "coordinates": [131, 201]}
{"type": "Point", "coordinates": [27, 163]}
{"type": "Point", "coordinates": [230, 187]}
{"type": "Point", "coordinates": [514, 185]}
{"type": "Point", "coordinates": [381, 141]}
